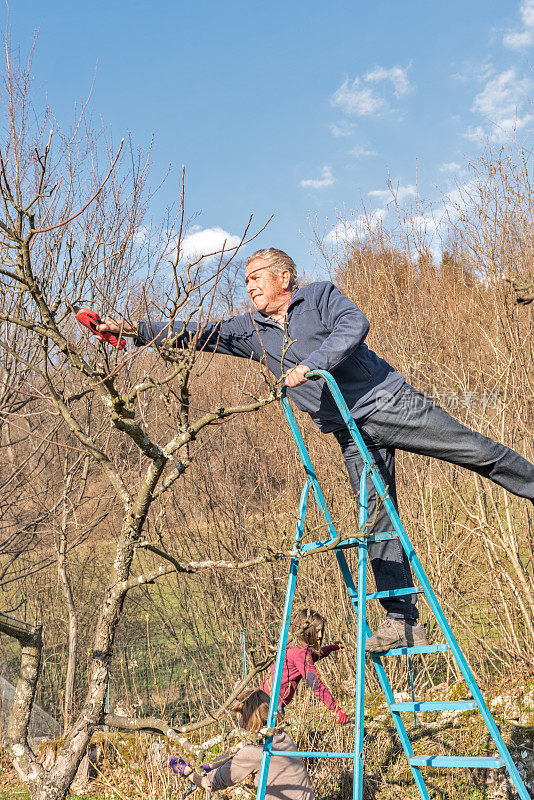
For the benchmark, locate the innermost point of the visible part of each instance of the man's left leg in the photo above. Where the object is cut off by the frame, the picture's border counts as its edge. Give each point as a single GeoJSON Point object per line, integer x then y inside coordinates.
{"type": "Point", "coordinates": [411, 421]}
{"type": "Point", "coordinates": [389, 562]}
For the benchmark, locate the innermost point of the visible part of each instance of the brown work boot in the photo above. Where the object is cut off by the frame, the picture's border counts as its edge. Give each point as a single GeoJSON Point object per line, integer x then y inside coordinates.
{"type": "Point", "coordinates": [396, 633]}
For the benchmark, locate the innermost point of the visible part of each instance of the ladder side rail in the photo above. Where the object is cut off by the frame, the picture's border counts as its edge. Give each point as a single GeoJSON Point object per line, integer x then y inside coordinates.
{"type": "Point", "coordinates": [357, 786]}
{"type": "Point", "coordinates": [384, 682]}
{"type": "Point", "coordinates": [282, 643]}
{"type": "Point", "coordinates": [277, 677]}
{"type": "Point", "coordinates": [368, 460]}
{"type": "Point", "coordinates": [310, 754]}
{"type": "Point", "coordinates": [364, 500]}
{"type": "Point", "coordinates": [310, 472]}
{"type": "Point", "coordinates": [465, 669]}
{"type": "Point", "coordinates": [301, 521]}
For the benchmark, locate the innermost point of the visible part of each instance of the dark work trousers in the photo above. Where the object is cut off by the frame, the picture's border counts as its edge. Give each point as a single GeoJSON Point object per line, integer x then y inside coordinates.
{"type": "Point", "coordinates": [411, 421]}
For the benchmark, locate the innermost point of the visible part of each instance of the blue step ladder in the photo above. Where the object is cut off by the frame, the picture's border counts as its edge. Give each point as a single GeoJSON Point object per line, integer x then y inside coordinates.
{"type": "Point", "coordinates": [335, 543]}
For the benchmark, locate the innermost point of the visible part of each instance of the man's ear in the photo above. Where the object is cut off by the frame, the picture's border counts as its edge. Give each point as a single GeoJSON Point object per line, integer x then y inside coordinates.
{"type": "Point", "coordinates": [286, 279]}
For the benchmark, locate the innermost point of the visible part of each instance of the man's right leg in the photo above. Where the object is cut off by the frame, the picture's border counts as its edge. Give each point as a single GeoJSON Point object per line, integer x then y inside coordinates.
{"type": "Point", "coordinates": [389, 562]}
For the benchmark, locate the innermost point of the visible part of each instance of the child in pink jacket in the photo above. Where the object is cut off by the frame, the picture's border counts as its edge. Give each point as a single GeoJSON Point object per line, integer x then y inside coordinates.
{"type": "Point", "coordinates": [299, 662]}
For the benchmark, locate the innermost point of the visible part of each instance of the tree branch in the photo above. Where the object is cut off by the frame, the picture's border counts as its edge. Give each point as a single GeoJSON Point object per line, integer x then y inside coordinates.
{"type": "Point", "coordinates": [189, 568]}
{"type": "Point", "coordinates": [87, 204]}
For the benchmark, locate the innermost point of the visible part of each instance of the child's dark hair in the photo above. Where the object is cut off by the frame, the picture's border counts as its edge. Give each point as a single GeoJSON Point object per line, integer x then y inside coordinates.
{"type": "Point", "coordinates": [252, 705]}
{"type": "Point", "coordinates": [305, 627]}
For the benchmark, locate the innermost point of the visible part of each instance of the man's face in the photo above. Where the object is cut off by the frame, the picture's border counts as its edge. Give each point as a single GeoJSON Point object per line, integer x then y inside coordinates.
{"type": "Point", "coordinates": [266, 291]}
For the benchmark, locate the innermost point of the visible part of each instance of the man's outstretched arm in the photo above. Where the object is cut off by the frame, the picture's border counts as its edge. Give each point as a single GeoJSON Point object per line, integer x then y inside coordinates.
{"type": "Point", "coordinates": [229, 337]}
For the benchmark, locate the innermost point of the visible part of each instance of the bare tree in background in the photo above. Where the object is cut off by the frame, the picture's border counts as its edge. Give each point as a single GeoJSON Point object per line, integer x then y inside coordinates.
{"type": "Point", "coordinates": [72, 208]}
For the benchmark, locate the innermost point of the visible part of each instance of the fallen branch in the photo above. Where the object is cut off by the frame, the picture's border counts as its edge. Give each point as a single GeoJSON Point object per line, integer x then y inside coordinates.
{"type": "Point", "coordinates": [160, 726]}
{"type": "Point", "coordinates": [151, 725]}
{"type": "Point", "coordinates": [23, 631]}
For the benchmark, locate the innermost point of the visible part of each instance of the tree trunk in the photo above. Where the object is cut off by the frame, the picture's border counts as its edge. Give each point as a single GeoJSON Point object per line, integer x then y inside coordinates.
{"type": "Point", "coordinates": [68, 704]}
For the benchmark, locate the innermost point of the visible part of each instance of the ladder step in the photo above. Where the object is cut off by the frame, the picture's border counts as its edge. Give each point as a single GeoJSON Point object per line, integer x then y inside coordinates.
{"type": "Point", "coordinates": [343, 544]}
{"type": "Point", "coordinates": [438, 705]}
{"type": "Point", "coordinates": [395, 592]}
{"type": "Point", "coordinates": [456, 761]}
{"type": "Point", "coordinates": [309, 754]}
{"type": "Point", "coordinates": [381, 537]}
{"type": "Point", "coordinates": [411, 651]}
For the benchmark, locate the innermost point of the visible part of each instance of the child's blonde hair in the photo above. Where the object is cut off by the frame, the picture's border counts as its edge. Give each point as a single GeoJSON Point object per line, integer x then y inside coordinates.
{"type": "Point", "coordinates": [252, 705]}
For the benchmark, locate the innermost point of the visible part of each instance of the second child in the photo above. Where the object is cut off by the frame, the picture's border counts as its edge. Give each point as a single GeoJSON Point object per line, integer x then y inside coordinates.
{"type": "Point", "coordinates": [299, 662]}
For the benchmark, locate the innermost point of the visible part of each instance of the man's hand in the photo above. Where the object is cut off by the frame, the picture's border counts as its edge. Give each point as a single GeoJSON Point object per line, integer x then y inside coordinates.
{"type": "Point", "coordinates": [296, 376]}
{"type": "Point", "coordinates": [123, 327]}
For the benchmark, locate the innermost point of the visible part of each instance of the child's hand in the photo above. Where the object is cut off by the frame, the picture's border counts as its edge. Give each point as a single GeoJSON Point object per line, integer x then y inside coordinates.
{"type": "Point", "coordinates": [341, 716]}
{"type": "Point", "coordinates": [179, 766]}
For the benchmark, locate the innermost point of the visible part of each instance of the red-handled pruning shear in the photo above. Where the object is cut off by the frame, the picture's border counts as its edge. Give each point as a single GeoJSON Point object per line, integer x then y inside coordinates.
{"type": "Point", "coordinates": [91, 319]}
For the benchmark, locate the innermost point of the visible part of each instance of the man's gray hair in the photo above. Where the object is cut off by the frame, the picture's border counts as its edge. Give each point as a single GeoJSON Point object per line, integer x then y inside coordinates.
{"type": "Point", "coordinates": [277, 261]}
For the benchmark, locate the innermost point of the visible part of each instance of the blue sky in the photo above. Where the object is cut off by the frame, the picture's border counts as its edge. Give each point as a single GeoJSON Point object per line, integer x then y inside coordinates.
{"type": "Point", "coordinates": [292, 108]}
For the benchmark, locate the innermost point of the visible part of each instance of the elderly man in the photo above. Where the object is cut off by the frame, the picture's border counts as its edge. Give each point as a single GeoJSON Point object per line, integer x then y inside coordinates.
{"type": "Point", "coordinates": [316, 327]}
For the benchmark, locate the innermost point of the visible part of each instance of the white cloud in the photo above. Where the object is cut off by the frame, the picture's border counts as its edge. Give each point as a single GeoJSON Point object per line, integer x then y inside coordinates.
{"type": "Point", "coordinates": [502, 94]}
{"type": "Point", "coordinates": [431, 228]}
{"type": "Point", "coordinates": [342, 128]}
{"type": "Point", "coordinates": [503, 101]}
{"type": "Point", "coordinates": [361, 99]}
{"type": "Point", "coordinates": [428, 232]}
{"type": "Point", "coordinates": [475, 134]}
{"type": "Point", "coordinates": [459, 198]}
{"type": "Point", "coordinates": [357, 99]}
{"type": "Point", "coordinates": [518, 40]}
{"type": "Point", "coordinates": [326, 179]}
{"type": "Point", "coordinates": [426, 224]}
{"type": "Point", "coordinates": [451, 166]}
{"type": "Point", "coordinates": [206, 240]}
{"type": "Point", "coordinates": [478, 71]}
{"type": "Point", "coordinates": [362, 150]}
{"type": "Point", "coordinates": [141, 235]}
{"type": "Point", "coordinates": [434, 222]}
{"type": "Point", "coordinates": [509, 125]}
{"type": "Point", "coordinates": [355, 228]}
{"type": "Point", "coordinates": [398, 193]}
{"type": "Point", "coordinates": [397, 75]}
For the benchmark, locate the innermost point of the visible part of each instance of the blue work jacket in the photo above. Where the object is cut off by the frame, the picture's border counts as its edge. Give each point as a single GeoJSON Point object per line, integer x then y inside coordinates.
{"type": "Point", "coordinates": [326, 331]}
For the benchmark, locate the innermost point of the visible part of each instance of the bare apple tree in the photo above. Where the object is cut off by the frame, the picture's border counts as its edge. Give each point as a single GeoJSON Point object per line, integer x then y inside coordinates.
{"type": "Point", "coordinates": [73, 233]}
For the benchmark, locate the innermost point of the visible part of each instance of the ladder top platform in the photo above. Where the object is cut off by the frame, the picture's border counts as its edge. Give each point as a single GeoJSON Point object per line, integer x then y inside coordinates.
{"type": "Point", "coordinates": [342, 544]}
